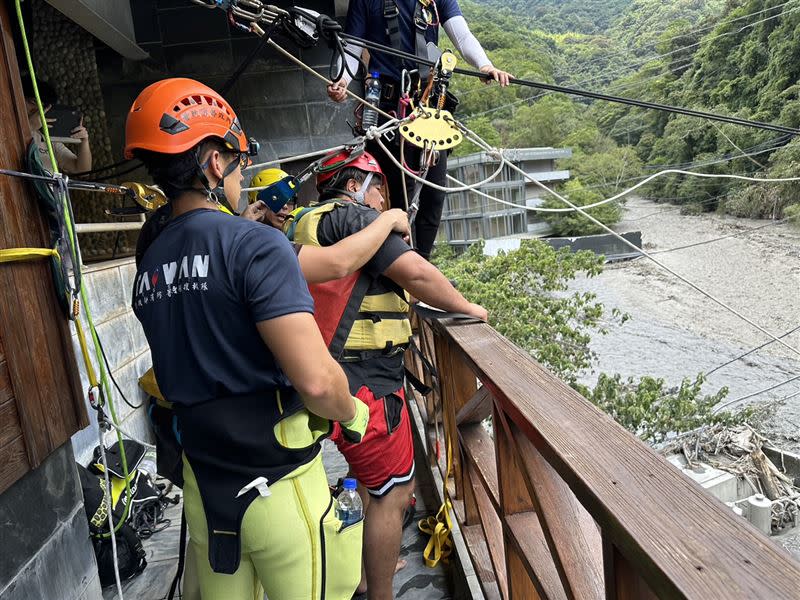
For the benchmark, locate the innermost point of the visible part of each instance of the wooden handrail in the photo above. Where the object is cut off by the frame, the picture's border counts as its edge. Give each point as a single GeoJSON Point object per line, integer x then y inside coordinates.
{"type": "Point", "coordinates": [586, 509]}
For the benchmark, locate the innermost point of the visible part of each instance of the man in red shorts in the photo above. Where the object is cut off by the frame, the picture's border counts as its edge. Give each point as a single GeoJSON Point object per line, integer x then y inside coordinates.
{"type": "Point", "coordinates": [364, 321]}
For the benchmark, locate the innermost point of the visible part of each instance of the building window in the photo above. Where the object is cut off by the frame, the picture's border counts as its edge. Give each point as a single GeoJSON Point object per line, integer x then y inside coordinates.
{"type": "Point", "coordinates": [472, 174]}
{"type": "Point", "coordinates": [457, 230]}
{"type": "Point", "coordinates": [475, 229]}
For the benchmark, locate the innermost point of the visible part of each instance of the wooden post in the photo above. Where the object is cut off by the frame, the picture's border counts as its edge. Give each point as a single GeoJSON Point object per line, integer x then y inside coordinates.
{"type": "Point", "coordinates": [457, 385]}
{"type": "Point", "coordinates": [514, 499]}
{"type": "Point", "coordinates": [622, 581]}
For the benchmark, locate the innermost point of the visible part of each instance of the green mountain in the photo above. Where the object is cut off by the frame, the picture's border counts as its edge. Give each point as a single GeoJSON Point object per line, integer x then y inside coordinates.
{"type": "Point", "coordinates": [565, 16]}
{"type": "Point", "coordinates": [736, 57]}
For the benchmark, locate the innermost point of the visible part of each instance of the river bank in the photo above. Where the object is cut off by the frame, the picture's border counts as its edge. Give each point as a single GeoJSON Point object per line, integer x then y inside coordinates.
{"type": "Point", "coordinates": [675, 332]}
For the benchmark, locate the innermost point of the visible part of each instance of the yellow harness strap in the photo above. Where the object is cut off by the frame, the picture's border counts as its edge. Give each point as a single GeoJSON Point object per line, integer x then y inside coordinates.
{"type": "Point", "coordinates": [440, 546]}
{"type": "Point", "coordinates": [19, 254]}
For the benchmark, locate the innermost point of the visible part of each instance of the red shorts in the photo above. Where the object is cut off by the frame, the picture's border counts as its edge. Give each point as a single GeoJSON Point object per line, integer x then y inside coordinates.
{"type": "Point", "coordinates": [385, 456]}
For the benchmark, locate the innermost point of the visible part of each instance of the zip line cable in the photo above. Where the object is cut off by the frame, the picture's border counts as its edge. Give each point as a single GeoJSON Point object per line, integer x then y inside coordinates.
{"type": "Point", "coordinates": [677, 50]}
{"type": "Point", "coordinates": [585, 93]}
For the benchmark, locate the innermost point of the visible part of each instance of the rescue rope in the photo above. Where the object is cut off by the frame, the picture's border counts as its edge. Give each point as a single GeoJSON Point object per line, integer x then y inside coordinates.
{"type": "Point", "coordinates": [635, 187]}
{"type": "Point", "coordinates": [21, 254]}
{"type": "Point", "coordinates": [475, 138]}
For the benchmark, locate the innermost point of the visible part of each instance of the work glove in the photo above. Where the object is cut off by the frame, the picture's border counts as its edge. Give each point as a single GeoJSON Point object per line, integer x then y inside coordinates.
{"type": "Point", "coordinates": [355, 429]}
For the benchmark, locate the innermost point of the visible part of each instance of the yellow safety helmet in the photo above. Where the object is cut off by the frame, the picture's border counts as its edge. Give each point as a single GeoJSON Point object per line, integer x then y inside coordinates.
{"type": "Point", "coordinates": [268, 177]}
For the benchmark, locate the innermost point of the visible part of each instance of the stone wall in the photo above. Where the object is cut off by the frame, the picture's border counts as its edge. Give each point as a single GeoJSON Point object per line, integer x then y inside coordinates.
{"type": "Point", "coordinates": [44, 536]}
{"type": "Point", "coordinates": [109, 286]}
{"type": "Point", "coordinates": [64, 56]}
{"type": "Point", "coordinates": [283, 107]}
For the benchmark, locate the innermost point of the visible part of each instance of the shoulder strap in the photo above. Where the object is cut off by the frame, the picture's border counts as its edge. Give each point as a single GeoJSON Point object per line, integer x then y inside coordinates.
{"type": "Point", "coordinates": [336, 347]}
{"type": "Point", "coordinates": [420, 43]}
{"type": "Point", "coordinates": [391, 15]}
{"type": "Point", "coordinates": [295, 217]}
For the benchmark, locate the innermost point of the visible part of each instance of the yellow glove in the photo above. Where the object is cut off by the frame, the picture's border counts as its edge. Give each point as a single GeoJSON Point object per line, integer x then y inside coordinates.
{"type": "Point", "coordinates": [355, 429]}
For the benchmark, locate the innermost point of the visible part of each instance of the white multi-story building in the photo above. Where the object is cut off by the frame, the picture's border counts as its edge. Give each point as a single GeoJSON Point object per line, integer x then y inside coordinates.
{"type": "Point", "coordinates": [468, 217]}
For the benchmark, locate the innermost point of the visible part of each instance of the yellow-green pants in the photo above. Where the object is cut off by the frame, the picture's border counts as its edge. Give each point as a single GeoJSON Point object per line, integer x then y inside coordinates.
{"type": "Point", "coordinates": [291, 543]}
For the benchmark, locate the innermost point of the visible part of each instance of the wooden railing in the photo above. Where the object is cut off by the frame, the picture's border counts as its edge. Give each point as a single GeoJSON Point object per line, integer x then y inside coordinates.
{"type": "Point", "coordinates": [560, 502]}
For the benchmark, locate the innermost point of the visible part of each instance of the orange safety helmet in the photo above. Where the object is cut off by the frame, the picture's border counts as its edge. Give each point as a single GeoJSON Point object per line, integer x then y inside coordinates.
{"type": "Point", "coordinates": [345, 159]}
{"type": "Point", "coordinates": [174, 115]}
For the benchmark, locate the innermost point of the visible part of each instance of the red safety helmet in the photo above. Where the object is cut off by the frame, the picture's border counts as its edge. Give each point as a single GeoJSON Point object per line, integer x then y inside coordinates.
{"type": "Point", "coordinates": [333, 163]}
{"type": "Point", "coordinates": [174, 115]}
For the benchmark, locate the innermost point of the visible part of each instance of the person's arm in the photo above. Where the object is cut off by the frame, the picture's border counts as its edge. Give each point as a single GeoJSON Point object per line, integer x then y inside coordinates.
{"type": "Point", "coordinates": [425, 282]}
{"type": "Point", "coordinates": [298, 347]}
{"type": "Point", "coordinates": [356, 25]}
{"type": "Point", "coordinates": [320, 264]}
{"type": "Point", "coordinates": [465, 42]}
{"type": "Point", "coordinates": [80, 160]}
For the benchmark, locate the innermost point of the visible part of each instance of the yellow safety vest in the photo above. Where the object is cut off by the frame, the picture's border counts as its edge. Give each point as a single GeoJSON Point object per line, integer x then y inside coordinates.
{"type": "Point", "coordinates": [346, 313]}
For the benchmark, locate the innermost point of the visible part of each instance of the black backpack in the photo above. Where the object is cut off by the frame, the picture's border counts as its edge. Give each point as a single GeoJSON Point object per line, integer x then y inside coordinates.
{"type": "Point", "coordinates": [130, 552]}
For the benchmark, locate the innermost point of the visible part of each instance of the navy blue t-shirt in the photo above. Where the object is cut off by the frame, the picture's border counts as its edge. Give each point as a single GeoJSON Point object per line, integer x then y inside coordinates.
{"type": "Point", "coordinates": [199, 291]}
{"type": "Point", "coordinates": [365, 20]}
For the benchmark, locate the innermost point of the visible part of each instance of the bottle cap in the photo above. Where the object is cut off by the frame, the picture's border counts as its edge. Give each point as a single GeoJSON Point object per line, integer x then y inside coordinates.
{"type": "Point", "coordinates": [350, 484]}
{"type": "Point", "coordinates": [375, 74]}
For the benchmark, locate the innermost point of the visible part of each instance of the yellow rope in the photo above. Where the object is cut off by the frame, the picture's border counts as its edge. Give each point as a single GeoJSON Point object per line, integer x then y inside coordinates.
{"type": "Point", "coordinates": [440, 546]}
{"type": "Point", "coordinates": [85, 351]}
{"type": "Point", "coordinates": [20, 254]}
{"type": "Point", "coordinates": [24, 254]}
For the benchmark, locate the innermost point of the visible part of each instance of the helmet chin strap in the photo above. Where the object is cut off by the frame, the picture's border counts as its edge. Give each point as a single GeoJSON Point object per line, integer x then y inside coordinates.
{"type": "Point", "coordinates": [217, 193]}
{"type": "Point", "coordinates": [361, 195]}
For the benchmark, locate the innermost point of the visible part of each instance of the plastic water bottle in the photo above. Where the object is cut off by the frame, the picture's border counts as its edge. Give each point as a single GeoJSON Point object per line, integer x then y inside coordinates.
{"type": "Point", "coordinates": [373, 97]}
{"type": "Point", "coordinates": [148, 464]}
{"type": "Point", "coordinates": [349, 509]}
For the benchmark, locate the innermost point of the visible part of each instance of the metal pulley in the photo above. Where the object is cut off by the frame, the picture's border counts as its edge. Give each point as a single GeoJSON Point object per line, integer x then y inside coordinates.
{"type": "Point", "coordinates": [430, 125]}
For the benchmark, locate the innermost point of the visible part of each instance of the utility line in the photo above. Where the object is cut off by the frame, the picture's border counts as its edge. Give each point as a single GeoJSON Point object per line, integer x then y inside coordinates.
{"type": "Point", "coordinates": [689, 32]}
{"type": "Point", "coordinates": [725, 237]}
{"type": "Point", "coordinates": [719, 407]}
{"type": "Point", "coordinates": [751, 351]}
{"type": "Point", "coordinates": [653, 58]}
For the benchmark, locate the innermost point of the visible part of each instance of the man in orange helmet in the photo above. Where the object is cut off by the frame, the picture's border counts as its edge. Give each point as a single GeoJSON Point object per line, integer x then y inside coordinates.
{"type": "Point", "coordinates": [364, 321]}
{"type": "Point", "coordinates": [235, 349]}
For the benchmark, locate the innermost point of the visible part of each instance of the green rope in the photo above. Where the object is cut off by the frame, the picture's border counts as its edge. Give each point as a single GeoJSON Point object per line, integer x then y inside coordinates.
{"type": "Point", "coordinates": [84, 300]}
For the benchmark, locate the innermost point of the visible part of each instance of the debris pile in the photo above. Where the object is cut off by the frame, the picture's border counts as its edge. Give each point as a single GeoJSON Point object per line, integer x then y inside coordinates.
{"type": "Point", "coordinates": [739, 450]}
